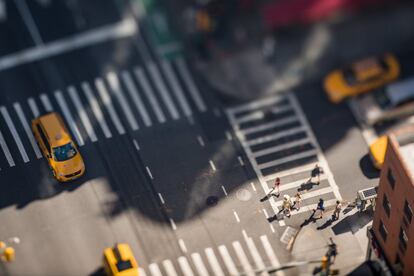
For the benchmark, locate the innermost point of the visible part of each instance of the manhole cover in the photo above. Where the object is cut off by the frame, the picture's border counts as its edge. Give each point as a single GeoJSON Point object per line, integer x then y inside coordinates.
{"type": "Point", "coordinates": [243, 194]}
{"type": "Point", "coordinates": [211, 201]}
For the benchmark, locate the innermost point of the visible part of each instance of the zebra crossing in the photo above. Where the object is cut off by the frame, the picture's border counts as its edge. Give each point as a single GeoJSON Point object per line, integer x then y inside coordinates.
{"type": "Point", "coordinates": [113, 104]}
{"type": "Point", "coordinates": [279, 142]}
{"type": "Point", "coordinates": [237, 258]}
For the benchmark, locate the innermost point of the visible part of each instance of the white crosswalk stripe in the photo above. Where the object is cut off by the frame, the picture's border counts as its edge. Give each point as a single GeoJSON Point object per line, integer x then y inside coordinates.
{"type": "Point", "coordinates": [27, 129]}
{"type": "Point", "coordinates": [255, 254]}
{"type": "Point", "coordinates": [274, 145]}
{"type": "Point", "coordinates": [69, 118]}
{"type": "Point", "coordinates": [214, 264]}
{"type": "Point", "coordinates": [154, 269]}
{"type": "Point", "coordinates": [192, 88]}
{"type": "Point", "coordinates": [73, 93]}
{"type": "Point", "coordinates": [169, 268]}
{"type": "Point", "coordinates": [247, 268]}
{"type": "Point", "coordinates": [119, 95]}
{"type": "Point", "coordinates": [133, 92]}
{"type": "Point", "coordinates": [139, 74]}
{"type": "Point", "coordinates": [93, 102]}
{"type": "Point", "coordinates": [176, 87]}
{"type": "Point", "coordinates": [6, 151]}
{"type": "Point", "coordinates": [141, 272]}
{"type": "Point", "coordinates": [162, 89]}
{"type": "Point", "coordinates": [228, 261]}
{"type": "Point", "coordinates": [46, 102]}
{"type": "Point", "coordinates": [33, 107]}
{"type": "Point", "coordinates": [185, 266]}
{"type": "Point", "coordinates": [106, 99]}
{"type": "Point", "coordinates": [270, 254]}
{"type": "Point", "coordinates": [199, 265]}
{"type": "Point", "coordinates": [14, 133]}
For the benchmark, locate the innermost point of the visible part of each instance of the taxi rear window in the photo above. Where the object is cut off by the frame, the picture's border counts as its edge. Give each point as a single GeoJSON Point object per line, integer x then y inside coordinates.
{"type": "Point", "coordinates": [123, 265]}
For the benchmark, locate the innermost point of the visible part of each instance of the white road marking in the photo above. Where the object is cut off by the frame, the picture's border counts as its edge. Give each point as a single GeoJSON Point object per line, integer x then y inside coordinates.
{"type": "Point", "coordinates": [257, 104]}
{"type": "Point", "coordinates": [296, 170]}
{"type": "Point", "coordinates": [33, 107]}
{"type": "Point", "coordinates": [93, 102]}
{"type": "Point", "coordinates": [3, 11]}
{"type": "Point", "coordinates": [139, 74]}
{"type": "Point", "coordinates": [136, 144]}
{"type": "Point", "coordinates": [121, 29]}
{"type": "Point", "coordinates": [192, 88]}
{"type": "Point", "coordinates": [303, 209]}
{"type": "Point", "coordinates": [163, 91]}
{"type": "Point", "coordinates": [173, 226]}
{"type": "Point", "coordinates": [141, 272]}
{"type": "Point", "coordinates": [169, 268]}
{"type": "Point", "coordinates": [224, 190]}
{"type": "Point", "coordinates": [27, 129]}
{"type": "Point", "coordinates": [133, 92]}
{"type": "Point", "coordinates": [228, 261]}
{"type": "Point", "coordinates": [182, 245]}
{"type": "Point", "coordinates": [247, 268]}
{"type": "Point", "coordinates": [106, 99]}
{"type": "Point", "coordinates": [315, 193]}
{"type": "Point", "coordinates": [275, 136]}
{"type": "Point", "coordinates": [200, 140]}
{"type": "Point", "coordinates": [68, 116]}
{"type": "Point", "coordinates": [236, 216]}
{"type": "Point", "coordinates": [6, 151]}
{"type": "Point", "coordinates": [185, 266]}
{"type": "Point", "coordinates": [214, 264]}
{"type": "Point", "coordinates": [267, 216]}
{"type": "Point", "coordinates": [29, 22]}
{"type": "Point", "coordinates": [149, 172]}
{"type": "Point", "coordinates": [297, 183]}
{"type": "Point", "coordinates": [253, 186]}
{"type": "Point", "coordinates": [289, 158]}
{"type": "Point", "coordinates": [271, 254]}
{"type": "Point", "coordinates": [14, 133]}
{"type": "Point", "coordinates": [199, 265]}
{"type": "Point", "coordinates": [228, 135]}
{"type": "Point", "coordinates": [161, 198]}
{"type": "Point", "coordinates": [258, 115]}
{"type": "Point", "coordinates": [269, 125]}
{"type": "Point", "coordinates": [46, 102]}
{"type": "Point", "coordinates": [82, 113]}
{"type": "Point", "coordinates": [213, 167]}
{"type": "Point", "coordinates": [119, 95]}
{"type": "Point", "coordinates": [155, 270]}
{"type": "Point", "coordinates": [256, 256]}
{"type": "Point", "coordinates": [281, 147]}
{"type": "Point", "coordinates": [240, 160]}
{"type": "Point", "coordinates": [176, 88]}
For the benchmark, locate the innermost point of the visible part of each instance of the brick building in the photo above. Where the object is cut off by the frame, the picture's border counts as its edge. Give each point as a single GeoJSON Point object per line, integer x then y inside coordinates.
{"type": "Point", "coordinates": [392, 232]}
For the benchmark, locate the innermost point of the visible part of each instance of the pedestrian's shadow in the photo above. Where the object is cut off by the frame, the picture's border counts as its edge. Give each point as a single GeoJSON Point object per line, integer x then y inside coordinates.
{"type": "Point", "coordinates": [268, 196]}
{"type": "Point", "coordinates": [306, 186]}
{"type": "Point", "coordinates": [326, 224]}
{"type": "Point", "coordinates": [308, 220]}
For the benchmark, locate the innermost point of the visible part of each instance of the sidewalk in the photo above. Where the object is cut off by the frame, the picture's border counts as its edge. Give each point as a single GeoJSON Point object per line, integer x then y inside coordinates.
{"type": "Point", "coordinates": [349, 233]}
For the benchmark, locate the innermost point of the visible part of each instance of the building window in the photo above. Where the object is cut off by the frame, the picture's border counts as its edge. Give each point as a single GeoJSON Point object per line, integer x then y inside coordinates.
{"type": "Point", "coordinates": [386, 204]}
{"type": "Point", "coordinates": [408, 212]}
{"type": "Point", "coordinates": [391, 178]}
{"type": "Point", "coordinates": [383, 231]}
{"type": "Point", "coordinates": [403, 240]}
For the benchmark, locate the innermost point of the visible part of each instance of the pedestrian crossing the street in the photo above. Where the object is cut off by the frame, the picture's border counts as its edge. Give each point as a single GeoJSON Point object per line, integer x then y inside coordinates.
{"type": "Point", "coordinates": [236, 258]}
{"type": "Point", "coordinates": [100, 108]}
{"type": "Point", "coordinates": [279, 142]}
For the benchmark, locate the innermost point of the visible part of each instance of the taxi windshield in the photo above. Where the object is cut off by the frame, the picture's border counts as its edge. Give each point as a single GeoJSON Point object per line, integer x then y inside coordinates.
{"type": "Point", "coordinates": [64, 152]}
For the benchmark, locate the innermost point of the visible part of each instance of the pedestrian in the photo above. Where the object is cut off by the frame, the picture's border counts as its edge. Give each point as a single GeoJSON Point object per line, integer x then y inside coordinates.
{"type": "Point", "coordinates": [332, 251]}
{"type": "Point", "coordinates": [297, 201]}
{"type": "Point", "coordinates": [286, 205]}
{"type": "Point", "coordinates": [316, 173]}
{"type": "Point", "coordinates": [320, 207]}
{"type": "Point", "coordinates": [276, 185]}
{"type": "Point", "coordinates": [337, 211]}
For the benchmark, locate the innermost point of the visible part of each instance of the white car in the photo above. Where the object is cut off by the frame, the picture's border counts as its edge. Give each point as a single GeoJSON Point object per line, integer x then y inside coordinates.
{"type": "Point", "coordinates": [391, 102]}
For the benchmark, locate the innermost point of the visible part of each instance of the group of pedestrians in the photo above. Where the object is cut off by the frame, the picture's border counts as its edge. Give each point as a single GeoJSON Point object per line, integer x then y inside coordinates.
{"type": "Point", "coordinates": [289, 203]}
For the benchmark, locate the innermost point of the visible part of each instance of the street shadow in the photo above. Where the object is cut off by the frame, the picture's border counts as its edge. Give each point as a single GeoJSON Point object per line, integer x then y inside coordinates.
{"type": "Point", "coordinates": [354, 222]}
{"type": "Point", "coordinates": [309, 220]}
{"type": "Point", "coordinates": [308, 185]}
{"type": "Point", "coordinates": [367, 168]}
{"type": "Point", "coordinates": [327, 223]}
{"type": "Point", "coordinates": [269, 196]}
{"type": "Point", "coordinates": [98, 272]}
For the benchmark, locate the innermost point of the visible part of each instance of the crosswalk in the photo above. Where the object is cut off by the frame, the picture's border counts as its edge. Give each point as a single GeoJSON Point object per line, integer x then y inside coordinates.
{"type": "Point", "coordinates": [108, 105]}
{"type": "Point", "coordinates": [279, 142]}
{"type": "Point", "coordinates": [237, 258]}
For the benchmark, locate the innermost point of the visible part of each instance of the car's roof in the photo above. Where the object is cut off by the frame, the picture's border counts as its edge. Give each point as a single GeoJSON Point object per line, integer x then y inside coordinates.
{"type": "Point", "coordinates": [55, 129]}
{"type": "Point", "coordinates": [400, 91]}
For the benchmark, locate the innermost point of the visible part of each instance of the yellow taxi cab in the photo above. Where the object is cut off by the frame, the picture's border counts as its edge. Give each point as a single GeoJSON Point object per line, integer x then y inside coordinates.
{"type": "Point", "coordinates": [120, 261]}
{"type": "Point", "coordinates": [361, 77]}
{"type": "Point", "coordinates": [377, 151]}
{"type": "Point", "coordinates": [58, 147]}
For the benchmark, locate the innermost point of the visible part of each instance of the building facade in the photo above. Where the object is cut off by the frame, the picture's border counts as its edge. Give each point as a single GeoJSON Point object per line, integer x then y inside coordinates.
{"type": "Point", "coordinates": [392, 232]}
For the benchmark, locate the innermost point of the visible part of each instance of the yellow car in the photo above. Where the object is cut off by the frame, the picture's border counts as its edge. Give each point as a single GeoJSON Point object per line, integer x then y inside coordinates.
{"type": "Point", "coordinates": [360, 77]}
{"type": "Point", "coordinates": [119, 261]}
{"type": "Point", "coordinates": [377, 151]}
{"type": "Point", "coordinates": [58, 147]}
